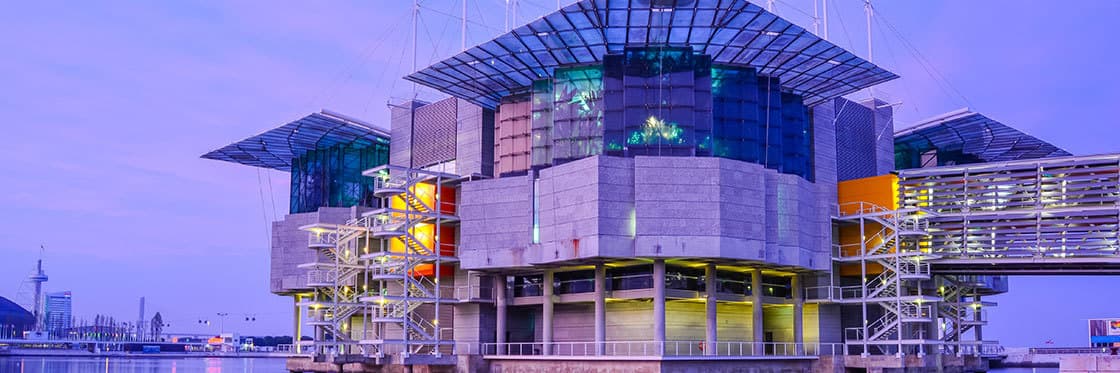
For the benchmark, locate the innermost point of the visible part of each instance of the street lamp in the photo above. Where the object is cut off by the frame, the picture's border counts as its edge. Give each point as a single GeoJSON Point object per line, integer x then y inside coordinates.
{"type": "Point", "coordinates": [222, 324]}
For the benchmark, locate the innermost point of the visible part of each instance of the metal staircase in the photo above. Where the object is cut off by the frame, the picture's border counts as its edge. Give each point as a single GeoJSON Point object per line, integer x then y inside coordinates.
{"type": "Point", "coordinates": [895, 292]}
{"type": "Point", "coordinates": [335, 279]}
{"type": "Point", "coordinates": [404, 263]}
{"type": "Point", "coordinates": [960, 311]}
{"type": "Point", "coordinates": [375, 282]}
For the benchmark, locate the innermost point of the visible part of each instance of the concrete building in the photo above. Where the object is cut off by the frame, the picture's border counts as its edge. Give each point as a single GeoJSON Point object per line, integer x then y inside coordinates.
{"type": "Point", "coordinates": [57, 309]}
{"type": "Point", "coordinates": [664, 186]}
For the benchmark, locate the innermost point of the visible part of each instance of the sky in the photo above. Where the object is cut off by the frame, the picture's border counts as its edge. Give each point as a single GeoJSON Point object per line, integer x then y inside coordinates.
{"type": "Point", "coordinates": [109, 104]}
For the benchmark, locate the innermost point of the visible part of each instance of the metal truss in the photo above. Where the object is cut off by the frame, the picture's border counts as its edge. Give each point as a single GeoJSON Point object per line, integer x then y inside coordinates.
{"type": "Point", "coordinates": [376, 289]}
{"type": "Point", "coordinates": [890, 240]}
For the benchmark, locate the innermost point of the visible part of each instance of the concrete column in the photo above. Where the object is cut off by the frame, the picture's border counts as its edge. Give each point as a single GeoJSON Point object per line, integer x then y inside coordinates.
{"type": "Point", "coordinates": [600, 308]}
{"type": "Point", "coordinates": [659, 300]}
{"type": "Point", "coordinates": [798, 314]}
{"type": "Point", "coordinates": [756, 311]}
{"type": "Point", "coordinates": [710, 337]}
{"type": "Point", "coordinates": [297, 320]}
{"type": "Point", "coordinates": [546, 314]}
{"type": "Point", "coordinates": [500, 308]}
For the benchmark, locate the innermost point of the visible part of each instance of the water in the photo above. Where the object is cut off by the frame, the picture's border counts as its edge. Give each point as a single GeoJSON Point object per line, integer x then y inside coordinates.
{"type": "Point", "coordinates": [139, 365]}
{"type": "Point", "coordinates": [204, 365]}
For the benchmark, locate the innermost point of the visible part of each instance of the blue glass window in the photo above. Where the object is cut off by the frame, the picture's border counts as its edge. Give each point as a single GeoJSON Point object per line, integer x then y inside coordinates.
{"type": "Point", "coordinates": [332, 177]}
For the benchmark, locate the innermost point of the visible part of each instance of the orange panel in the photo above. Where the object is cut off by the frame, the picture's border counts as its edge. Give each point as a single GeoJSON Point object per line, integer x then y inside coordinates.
{"type": "Point", "coordinates": [426, 193]}
{"type": "Point", "coordinates": [879, 190]}
{"type": "Point", "coordinates": [423, 270]}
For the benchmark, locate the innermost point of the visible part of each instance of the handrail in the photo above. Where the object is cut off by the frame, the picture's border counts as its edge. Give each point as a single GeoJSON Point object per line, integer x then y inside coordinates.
{"type": "Point", "coordinates": [666, 348]}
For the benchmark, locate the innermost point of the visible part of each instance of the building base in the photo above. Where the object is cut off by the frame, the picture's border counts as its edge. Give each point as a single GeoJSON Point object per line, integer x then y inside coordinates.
{"type": "Point", "coordinates": [947, 363]}
{"type": "Point", "coordinates": [1090, 363]}
{"type": "Point", "coordinates": [307, 364]}
{"type": "Point", "coordinates": [501, 365]}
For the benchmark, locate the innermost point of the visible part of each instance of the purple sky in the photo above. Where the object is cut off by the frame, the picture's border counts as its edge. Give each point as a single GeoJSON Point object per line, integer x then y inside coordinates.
{"type": "Point", "coordinates": [109, 105]}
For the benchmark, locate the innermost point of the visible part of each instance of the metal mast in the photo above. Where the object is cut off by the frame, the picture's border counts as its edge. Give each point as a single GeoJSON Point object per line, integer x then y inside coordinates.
{"type": "Point", "coordinates": [824, 17]}
{"type": "Point", "coordinates": [463, 26]}
{"type": "Point", "coordinates": [870, 56]}
{"type": "Point", "coordinates": [415, 38]}
{"type": "Point", "coordinates": [816, 18]}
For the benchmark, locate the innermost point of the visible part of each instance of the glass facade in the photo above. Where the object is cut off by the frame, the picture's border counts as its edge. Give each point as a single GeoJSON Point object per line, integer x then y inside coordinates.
{"type": "Point", "coordinates": [658, 102]}
{"type": "Point", "coordinates": [577, 113]}
{"type": "Point", "coordinates": [332, 177]}
{"type": "Point", "coordinates": [669, 101]}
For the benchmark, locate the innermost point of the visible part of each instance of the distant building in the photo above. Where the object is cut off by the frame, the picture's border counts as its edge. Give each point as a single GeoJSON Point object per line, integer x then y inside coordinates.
{"type": "Point", "coordinates": [1104, 332]}
{"type": "Point", "coordinates": [14, 320]}
{"type": "Point", "coordinates": [58, 312]}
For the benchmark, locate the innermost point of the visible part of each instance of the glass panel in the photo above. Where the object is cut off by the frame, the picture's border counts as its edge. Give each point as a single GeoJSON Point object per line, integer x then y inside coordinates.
{"type": "Point", "coordinates": [332, 177]}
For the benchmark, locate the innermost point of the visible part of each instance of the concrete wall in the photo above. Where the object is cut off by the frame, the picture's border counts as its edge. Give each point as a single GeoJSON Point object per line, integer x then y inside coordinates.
{"type": "Point", "coordinates": [611, 207]}
{"type": "Point", "coordinates": [497, 222]}
{"type": "Point", "coordinates": [289, 247]}
{"type": "Point", "coordinates": [474, 142]}
{"type": "Point", "coordinates": [584, 206]}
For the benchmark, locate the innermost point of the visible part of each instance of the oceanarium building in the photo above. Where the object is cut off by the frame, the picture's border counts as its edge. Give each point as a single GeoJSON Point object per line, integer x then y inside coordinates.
{"type": "Point", "coordinates": [665, 185]}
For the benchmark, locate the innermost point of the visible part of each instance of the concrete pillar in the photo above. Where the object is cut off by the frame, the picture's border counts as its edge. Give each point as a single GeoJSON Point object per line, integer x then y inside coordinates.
{"type": "Point", "coordinates": [798, 314]}
{"type": "Point", "coordinates": [546, 313]}
{"type": "Point", "coordinates": [297, 320]}
{"type": "Point", "coordinates": [500, 308]}
{"type": "Point", "coordinates": [600, 308]}
{"type": "Point", "coordinates": [712, 325]}
{"type": "Point", "coordinates": [756, 311]}
{"type": "Point", "coordinates": [659, 300]}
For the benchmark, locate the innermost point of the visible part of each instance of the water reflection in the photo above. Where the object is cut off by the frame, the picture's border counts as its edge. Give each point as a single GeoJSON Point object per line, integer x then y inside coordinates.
{"type": "Point", "coordinates": [139, 365]}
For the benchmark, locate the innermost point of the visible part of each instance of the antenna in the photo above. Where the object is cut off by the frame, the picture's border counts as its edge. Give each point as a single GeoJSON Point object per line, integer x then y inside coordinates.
{"type": "Point", "coordinates": [770, 6]}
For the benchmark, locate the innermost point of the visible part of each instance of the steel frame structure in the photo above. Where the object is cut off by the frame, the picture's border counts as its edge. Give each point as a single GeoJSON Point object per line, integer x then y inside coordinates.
{"type": "Point", "coordinates": [371, 268]}
{"type": "Point", "coordinates": [736, 33]}
{"type": "Point", "coordinates": [1021, 216]}
{"type": "Point", "coordinates": [891, 239]}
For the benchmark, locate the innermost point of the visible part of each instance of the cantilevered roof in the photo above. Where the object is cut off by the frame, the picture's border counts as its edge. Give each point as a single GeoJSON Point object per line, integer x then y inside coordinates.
{"type": "Point", "coordinates": [733, 32]}
{"type": "Point", "coordinates": [277, 147]}
{"type": "Point", "coordinates": [976, 135]}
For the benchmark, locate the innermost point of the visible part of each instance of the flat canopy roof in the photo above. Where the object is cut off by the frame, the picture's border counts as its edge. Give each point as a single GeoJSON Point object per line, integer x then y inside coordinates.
{"type": "Point", "coordinates": [733, 32]}
{"type": "Point", "coordinates": [277, 147]}
{"type": "Point", "coordinates": [977, 135]}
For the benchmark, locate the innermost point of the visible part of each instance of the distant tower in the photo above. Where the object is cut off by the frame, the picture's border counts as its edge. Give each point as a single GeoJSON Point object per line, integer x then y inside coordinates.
{"type": "Point", "coordinates": [38, 278]}
{"type": "Point", "coordinates": [140, 322]}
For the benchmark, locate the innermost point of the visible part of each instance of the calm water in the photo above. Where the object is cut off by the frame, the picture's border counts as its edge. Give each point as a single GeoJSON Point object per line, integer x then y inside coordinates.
{"type": "Point", "coordinates": [139, 365]}
{"type": "Point", "coordinates": [204, 365]}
